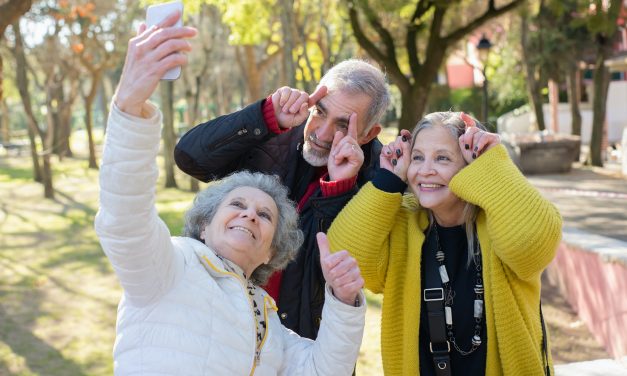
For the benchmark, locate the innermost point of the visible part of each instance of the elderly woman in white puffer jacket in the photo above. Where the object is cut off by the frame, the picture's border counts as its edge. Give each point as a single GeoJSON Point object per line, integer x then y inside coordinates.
{"type": "Point", "coordinates": [192, 305]}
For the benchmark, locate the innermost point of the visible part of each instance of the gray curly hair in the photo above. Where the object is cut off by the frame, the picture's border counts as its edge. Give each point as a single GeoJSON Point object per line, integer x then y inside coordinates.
{"type": "Point", "coordinates": [453, 122]}
{"type": "Point", "coordinates": [357, 76]}
{"type": "Point", "coordinates": [287, 237]}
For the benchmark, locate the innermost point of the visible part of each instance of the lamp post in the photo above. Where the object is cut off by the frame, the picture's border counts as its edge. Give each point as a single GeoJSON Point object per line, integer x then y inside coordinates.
{"type": "Point", "coordinates": [483, 47]}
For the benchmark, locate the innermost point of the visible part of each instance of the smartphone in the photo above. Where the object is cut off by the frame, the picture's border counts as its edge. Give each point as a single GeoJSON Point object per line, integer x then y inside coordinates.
{"type": "Point", "coordinates": [157, 13]}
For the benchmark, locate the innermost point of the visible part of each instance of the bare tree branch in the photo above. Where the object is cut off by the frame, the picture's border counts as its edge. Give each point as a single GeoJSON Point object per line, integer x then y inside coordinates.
{"type": "Point", "coordinates": [490, 13]}
{"type": "Point", "coordinates": [388, 61]}
{"type": "Point", "coordinates": [421, 8]}
{"type": "Point", "coordinates": [385, 36]}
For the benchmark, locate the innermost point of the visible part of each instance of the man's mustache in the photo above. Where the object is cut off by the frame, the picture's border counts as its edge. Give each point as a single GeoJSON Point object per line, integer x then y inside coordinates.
{"type": "Point", "coordinates": [313, 138]}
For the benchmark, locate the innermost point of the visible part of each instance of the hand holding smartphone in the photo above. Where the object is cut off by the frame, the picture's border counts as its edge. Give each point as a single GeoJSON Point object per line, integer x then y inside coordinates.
{"type": "Point", "coordinates": [157, 13]}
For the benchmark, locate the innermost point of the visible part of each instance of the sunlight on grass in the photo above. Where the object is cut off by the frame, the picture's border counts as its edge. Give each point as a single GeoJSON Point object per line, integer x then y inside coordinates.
{"type": "Point", "coordinates": [10, 363]}
{"type": "Point", "coordinates": [369, 362]}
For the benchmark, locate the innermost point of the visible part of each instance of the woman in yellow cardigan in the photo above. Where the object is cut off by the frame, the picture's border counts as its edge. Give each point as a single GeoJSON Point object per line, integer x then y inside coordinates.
{"type": "Point", "coordinates": [459, 260]}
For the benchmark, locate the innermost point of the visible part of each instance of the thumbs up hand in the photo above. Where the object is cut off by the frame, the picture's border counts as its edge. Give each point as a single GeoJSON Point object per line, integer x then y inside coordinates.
{"type": "Point", "coordinates": [341, 272]}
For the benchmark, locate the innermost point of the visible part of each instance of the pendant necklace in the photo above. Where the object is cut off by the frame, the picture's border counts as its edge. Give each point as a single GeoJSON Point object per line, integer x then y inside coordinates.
{"type": "Point", "coordinates": [449, 295]}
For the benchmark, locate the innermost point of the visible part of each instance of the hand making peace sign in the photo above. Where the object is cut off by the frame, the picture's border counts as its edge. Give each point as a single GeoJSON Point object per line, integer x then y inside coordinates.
{"type": "Point", "coordinates": [346, 156]}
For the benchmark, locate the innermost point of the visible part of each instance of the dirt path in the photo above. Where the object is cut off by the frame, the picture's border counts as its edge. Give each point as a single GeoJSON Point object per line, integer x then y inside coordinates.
{"type": "Point", "coordinates": [571, 341]}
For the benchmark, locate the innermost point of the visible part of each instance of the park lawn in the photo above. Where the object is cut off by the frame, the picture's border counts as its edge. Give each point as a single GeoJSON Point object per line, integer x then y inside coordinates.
{"type": "Point", "coordinates": [58, 293]}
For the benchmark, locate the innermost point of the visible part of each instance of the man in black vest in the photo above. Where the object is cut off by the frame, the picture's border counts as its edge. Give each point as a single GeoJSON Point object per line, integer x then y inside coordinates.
{"type": "Point", "coordinates": [311, 142]}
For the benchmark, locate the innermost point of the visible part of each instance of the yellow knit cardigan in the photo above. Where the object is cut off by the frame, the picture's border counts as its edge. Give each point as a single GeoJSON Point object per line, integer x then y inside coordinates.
{"type": "Point", "coordinates": [518, 231]}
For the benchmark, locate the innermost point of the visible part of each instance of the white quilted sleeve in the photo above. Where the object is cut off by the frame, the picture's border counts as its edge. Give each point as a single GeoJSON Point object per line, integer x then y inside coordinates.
{"type": "Point", "coordinates": [132, 235]}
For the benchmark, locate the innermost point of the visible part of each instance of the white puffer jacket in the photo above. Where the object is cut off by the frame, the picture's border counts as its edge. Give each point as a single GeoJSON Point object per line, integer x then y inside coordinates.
{"type": "Point", "coordinates": [182, 313]}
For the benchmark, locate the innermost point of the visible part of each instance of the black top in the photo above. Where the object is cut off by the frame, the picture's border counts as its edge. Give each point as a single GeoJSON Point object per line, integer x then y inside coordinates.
{"type": "Point", "coordinates": [454, 245]}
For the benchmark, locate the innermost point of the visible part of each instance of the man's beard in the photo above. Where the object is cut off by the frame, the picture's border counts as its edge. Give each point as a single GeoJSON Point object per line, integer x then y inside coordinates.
{"type": "Point", "coordinates": [313, 156]}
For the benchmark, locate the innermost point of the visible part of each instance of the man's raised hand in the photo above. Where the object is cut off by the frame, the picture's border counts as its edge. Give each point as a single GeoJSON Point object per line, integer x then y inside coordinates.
{"type": "Point", "coordinates": [346, 156]}
{"type": "Point", "coordinates": [291, 106]}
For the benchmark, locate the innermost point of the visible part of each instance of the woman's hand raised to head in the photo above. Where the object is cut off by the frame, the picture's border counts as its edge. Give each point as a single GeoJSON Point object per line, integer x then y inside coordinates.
{"type": "Point", "coordinates": [340, 270]}
{"type": "Point", "coordinates": [396, 156]}
{"type": "Point", "coordinates": [150, 55]}
{"type": "Point", "coordinates": [474, 142]}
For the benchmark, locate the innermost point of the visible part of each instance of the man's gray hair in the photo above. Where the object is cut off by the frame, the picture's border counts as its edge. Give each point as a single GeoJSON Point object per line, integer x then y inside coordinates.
{"type": "Point", "coordinates": [361, 77]}
{"type": "Point", "coordinates": [287, 238]}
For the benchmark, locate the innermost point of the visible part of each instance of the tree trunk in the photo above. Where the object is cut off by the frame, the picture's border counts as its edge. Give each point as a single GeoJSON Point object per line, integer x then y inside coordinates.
{"type": "Point", "coordinates": [533, 84]}
{"type": "Point", "coordinates": [90, 138]}
{"type": "Point", "coordinates": [89, 102]}
{"type": "Point", "coordinates": [65, 119]}
{"type": "Point", "coordinates": [193, 99]}
{"type": "Point", "coordinates": [48, 142]}
{"type": "Point", "coordinates": [554, 104]}
{"type": "Point", "coordinates": [252, 73]}
{"type": "Point", "coordinates": [59, 119]}
{"type": "Point", "coordinates": [5, 121]}
{"type": "Point", "coordinates": [169, 136]}
{"type": "Point", "coordinates": [287, 21]}
{"type": "Point", "coordinates": [599, 103]}
{"type": "Point", "coordinates": [37, 173]}
{"type": "Point", "coordinates": [21, 77]}
{"type": "Point", "coordinates": [574, 96]}
{"type": "Point", "coordinates": [47, 176]}
{"type": "Point", "coordinates": [413, 105]}
{"type": "Point", "coordinates": [1, 74]}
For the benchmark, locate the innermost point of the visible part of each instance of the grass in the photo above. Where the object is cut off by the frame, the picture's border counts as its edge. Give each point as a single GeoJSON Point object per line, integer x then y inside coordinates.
{"type": "Point", "coordinates": [58, 293]}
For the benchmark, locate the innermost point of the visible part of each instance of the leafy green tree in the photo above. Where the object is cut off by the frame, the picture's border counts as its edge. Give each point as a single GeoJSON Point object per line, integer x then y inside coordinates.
{"type": "Point", "coordinates": [565, 32]}
{"type": "Point", "coordinates": [601, 22]}
{"type": "Point", "coordinates": [504, 70]}
{"type": "Point", "coordinates": [95, 25]}
{"type": "Point", "coordinates": [282, 42]}
{"type": "Point", "coordinates": [411, 40]}
{"type": "Point", "coordinates": [254, 27]}
{"type": "Point", "coordinates": [535, 80]}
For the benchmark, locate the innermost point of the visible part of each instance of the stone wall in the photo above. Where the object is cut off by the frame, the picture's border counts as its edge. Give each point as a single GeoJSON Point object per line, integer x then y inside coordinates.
{"type": "Point", "coordinates": [591, 272]}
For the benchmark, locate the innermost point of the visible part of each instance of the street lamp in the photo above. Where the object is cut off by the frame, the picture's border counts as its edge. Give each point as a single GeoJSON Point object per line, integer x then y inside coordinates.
{"type": "Point", "coordinates": [483, 47]}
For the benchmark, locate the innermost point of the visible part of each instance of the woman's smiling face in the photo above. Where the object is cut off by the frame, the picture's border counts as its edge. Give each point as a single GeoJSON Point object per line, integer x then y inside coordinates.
{"type": "Point", "coordinates": [243, 227]}
{"type": "Point", "coordinates": [435, 159]}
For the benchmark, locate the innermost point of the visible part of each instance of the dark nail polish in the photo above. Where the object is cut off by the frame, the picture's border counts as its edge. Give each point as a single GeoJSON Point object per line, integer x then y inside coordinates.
{"type": "Point", "coordinates": [474, 155]}
{"type": "Point", "coordinates": [467, 146]}
{"type": "Point", "coordinates": [398, 153]}
{"type": "Point", "coordinates": [404, 138]}
{"type": "Point", "coordinates": [394, 162]}
{"type": "Point", "coordinates": [476, 148]}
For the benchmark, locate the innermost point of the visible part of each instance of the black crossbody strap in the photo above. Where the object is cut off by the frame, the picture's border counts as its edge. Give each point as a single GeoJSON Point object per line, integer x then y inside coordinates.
{"type": "Point", "coordinates": [438, 345]}
{"type": "Point", "coordinates": [545, 349]}
{"type": "Point", "coordinates": [433, 296]}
